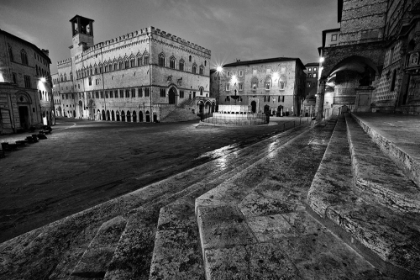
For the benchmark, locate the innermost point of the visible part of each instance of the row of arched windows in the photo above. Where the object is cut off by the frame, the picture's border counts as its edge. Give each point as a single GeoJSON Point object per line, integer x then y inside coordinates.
{"type": "Point", "coordinates": [181, 64]}
{"type": "Point", "coordinates": [124, 116]}
{"type": "Point", "coordinates": [114, 65]}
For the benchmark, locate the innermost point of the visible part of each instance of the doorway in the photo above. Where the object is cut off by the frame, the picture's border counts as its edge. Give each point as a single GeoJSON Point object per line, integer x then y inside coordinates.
{"type": "Point", "coordinates": [253, 107]}
{"type": "Point", "coordinates": [24, 117]}
{"type": "Point", "coordinates": [172, 96]}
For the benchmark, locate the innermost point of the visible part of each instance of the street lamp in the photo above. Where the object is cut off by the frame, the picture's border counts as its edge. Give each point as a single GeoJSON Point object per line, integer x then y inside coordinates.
{"type": "Point", "coordinates": [219, 70]}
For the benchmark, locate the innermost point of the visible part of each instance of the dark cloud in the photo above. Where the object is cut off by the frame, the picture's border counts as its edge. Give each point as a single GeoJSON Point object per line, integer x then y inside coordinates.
{"type": "Point", "coordinates": [231, 29]}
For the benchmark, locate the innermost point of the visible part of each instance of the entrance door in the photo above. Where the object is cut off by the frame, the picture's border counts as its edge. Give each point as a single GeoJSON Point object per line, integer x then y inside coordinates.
{"type": "Point", "coordinates": [24, 117]}
{"type": "Point", "coordinates": [172, 94]}
{"type": "Point", "coordinates": [253, 107]}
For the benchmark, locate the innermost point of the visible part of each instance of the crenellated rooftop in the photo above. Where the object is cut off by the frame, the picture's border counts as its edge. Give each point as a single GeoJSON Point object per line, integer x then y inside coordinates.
{"type": "Point", "coordinates": [146, 31]}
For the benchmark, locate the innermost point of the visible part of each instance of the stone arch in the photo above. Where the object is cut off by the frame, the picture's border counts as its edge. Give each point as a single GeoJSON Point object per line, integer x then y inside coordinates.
{"type": "Point", "coordinates": [112, 115]}
{"type": "Point", "coordinates": [140, 116]}
{"type": "Point", "coordinates": [118, 116]}
{"type": "Point", "coordinates": [122, 116]}
{"type": "Point", "coordinates": [134, 116]}
{"type": "Point", "coordinates": [172, 94]}
{"type": "Point", "coordinates": [108, 117]}
{"type": "Point", "coordinates": [103, 115]}
{"type": "Point", "coordinates": [147, 116]}
{"type": "Point", "coordinates": [128, 116]}
{"type": "Point", "coordinates": [353, 63]}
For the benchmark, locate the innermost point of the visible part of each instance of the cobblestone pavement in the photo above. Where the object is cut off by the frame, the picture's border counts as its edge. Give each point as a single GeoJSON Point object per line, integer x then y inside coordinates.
{"type": "Point", "coordinates": [84, 163]}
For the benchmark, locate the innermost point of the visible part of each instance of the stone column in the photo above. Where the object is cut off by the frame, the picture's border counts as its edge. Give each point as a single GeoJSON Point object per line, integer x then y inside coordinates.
{"type": "Point", "coordinates": [320, 100]}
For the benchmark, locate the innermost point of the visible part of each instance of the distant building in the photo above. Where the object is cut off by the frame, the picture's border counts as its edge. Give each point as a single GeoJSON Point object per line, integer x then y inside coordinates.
{"type": "Point", "coordinates": [276, 84]}
{"type": "Point", "coordinates": [312, 76]}
{"type": "Point", "coordinates": [371, 63]}
{"type": "Point", "coordinates": [25, 85]}
{"type": "Point", "coordinates": [143, 76]}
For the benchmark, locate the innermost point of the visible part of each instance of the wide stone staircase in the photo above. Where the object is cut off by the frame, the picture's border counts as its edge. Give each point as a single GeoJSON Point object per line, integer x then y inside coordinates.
{"type": "Point", "coordinates": [309, 203]}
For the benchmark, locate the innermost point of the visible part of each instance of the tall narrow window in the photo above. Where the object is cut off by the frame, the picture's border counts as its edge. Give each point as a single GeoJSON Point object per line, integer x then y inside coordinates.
{"type": "Point", "coordinates": [146, 60]}
{"type": "Point", "coordinates": [120, 65]}
{"type": "Point", "coordinates": [146, 92]}
{"type": "Point", "coordinates": [140, 92]}
{"type": "Point", "coordinates": [121, 93]}
{"type": "Point", "coordinates": [24, 57]}
{"type": "Point", "coordinates": [133, 93]}
{"type": "Point", "coordinates": [132, 63]}
{"type": "Point", "coordinates": [126, 64]}
{"type": "Point", "coordinates": [127, 93]}
{"type": "Point", "coordinates": [201, 70]}
{"type": "Point", "coordinates": [162, 92]}
{"type": "Point", "coordinates": [11, 54]}
{"type": "Point", "coordinates": [138, 61]}
{"type": "Point", "coordinates": [181, 65]}
{"type": "Point", "coordinates": [27, 80]}
{"type": "Point", "coordinates": [190, 58]}
{"type": "Point", "coordinates": [14, 76]}
{"type": "Point", "coordinates": [194, 69]}
{"type": "Point", "coordinates": [162, 60]}
{"type": "Point", "coordinates": [172, 63]}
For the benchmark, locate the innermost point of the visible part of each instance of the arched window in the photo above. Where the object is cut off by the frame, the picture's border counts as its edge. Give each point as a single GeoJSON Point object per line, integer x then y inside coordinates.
{"type": "Point", "coordinates": [91, 70]}
{"type": "Point", "coordinates": [24, 57]}
{"type": "Point", "coordinates": [106, 68]}
{"type": "Point", "coordinates": [36, 68]}
{"type": "Point", "coordinates": [96, 70]}
{"type": "Point", "coordinates": [282, 82]}
{"type": "Point", "coordinates": [205, 62]}
{"type": "Point", "coordinates": [190, 58]}
{"type": "Point", "coordinates": [201, 70]}
{"type": "Point", "coordinates": [71, 76]}
{"type": "Point", "coordinates": [132, 62]}
{"type": "Point", "coordinates": [201, 90]}
{"type": "Point", "coordinates": [181, 65]}
{"type": "Point", "coordinates": [61, 78]}
{"type": "Point", "coordinates": [11, 53]}
{"type": "Point", "coordinates": [120, 65]}
{"type": "Point", "coordinates": [172, 62]}
{"type": "Point", "coordinates": [126, 64]}
{"type": "Point", "coordinates": [139, 61]}
{"type": "Point", "coordinates": [161, 60]}
{"type": "Point", "coordinates": [65, 77]}
{"type": "Point", "coordinates": [146, 59]}
{"type": "Point", "coordinates": [267, 84]}
{"type": "Point", "coordinates": [254, 83]}
{"type": "Point", "coordinates": [194, 69]}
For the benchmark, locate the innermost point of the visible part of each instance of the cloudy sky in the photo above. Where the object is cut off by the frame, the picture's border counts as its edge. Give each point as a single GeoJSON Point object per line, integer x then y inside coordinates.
{"type": "Point", "coordinates": [231, 29]}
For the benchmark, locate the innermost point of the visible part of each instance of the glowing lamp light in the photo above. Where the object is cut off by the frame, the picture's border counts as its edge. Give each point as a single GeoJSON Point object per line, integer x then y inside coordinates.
{"type": "Point", "coordinates": [1, 78]}
{"type": "Point", "coordinates": [43, 79]}
{"type": "Point", "coordinates": [234, 79]}
{"type": "Point", "coordinates": [219, 69]}
{"type": "Point", "coordinates": [321, 59]}
{"type": "Point", "coordinates": [275, 76]}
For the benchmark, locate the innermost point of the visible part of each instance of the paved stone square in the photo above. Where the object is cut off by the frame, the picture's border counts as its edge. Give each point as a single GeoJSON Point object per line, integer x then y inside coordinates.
{"type": "Point", "coordinates": [84, 163]}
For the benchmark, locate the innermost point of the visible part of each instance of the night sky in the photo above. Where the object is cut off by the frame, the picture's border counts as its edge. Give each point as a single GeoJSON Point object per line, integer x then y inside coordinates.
{"type": "Point", "coordinates": [231, 29]}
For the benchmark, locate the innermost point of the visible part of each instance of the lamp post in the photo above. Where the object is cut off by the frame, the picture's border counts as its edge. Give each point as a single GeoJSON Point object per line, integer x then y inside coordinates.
{"type": "Point", "coordinates": [219, 70]}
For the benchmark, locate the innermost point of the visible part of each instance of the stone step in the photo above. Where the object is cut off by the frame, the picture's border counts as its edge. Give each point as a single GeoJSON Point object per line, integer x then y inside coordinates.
{"type": "Point", "coordinates": [56, 251]}
{"type": "Point", "coordinates": [177, 253]}
{"type": "Point", "coordinates": [376, 176]}
{"type": "Point", "coordinates": [94, 262]}
{"type": "Point", "coordinates": [127, 261]}
{"type": "Point", "coordinates": [385, 236]}
{"type": "Point", "coordinates": [403, 149]}
{"type": "Point", "coordinates": [256, 226]}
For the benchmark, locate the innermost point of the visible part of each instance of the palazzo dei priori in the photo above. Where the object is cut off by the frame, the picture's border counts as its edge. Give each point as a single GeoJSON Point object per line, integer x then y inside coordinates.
{"type": "Point", "coordinates": [143, 76]}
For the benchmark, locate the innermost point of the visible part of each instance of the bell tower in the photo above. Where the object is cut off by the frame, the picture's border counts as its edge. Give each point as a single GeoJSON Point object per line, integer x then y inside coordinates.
{"type": "Point", "coordinates": [82, 34]}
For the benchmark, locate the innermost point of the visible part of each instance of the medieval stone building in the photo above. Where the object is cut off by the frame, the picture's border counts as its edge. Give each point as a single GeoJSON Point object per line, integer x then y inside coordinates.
{"type": "Point", "coordinates": [371, 63]}
{"type": "Point", "coordinates": [146, 75]}
{"type": "Point", "coordinates": [25, 88]}
{"type": "Point", "coordinates": [276, 84]}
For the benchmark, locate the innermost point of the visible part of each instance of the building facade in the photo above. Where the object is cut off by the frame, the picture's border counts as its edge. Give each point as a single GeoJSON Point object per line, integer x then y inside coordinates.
{"type": "Point", "coordinates": [143, 76]}
{"type": "Point", "coordinates": [25, 85]}
{"type": "Point", "coordinates": [274, 84]}
{"type": "Point", "coordinates": [371, 62]}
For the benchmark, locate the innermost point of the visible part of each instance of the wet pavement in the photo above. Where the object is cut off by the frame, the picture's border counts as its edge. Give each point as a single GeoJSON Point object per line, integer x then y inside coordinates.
{"type": "Point", "coordinates": [84, 163]}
